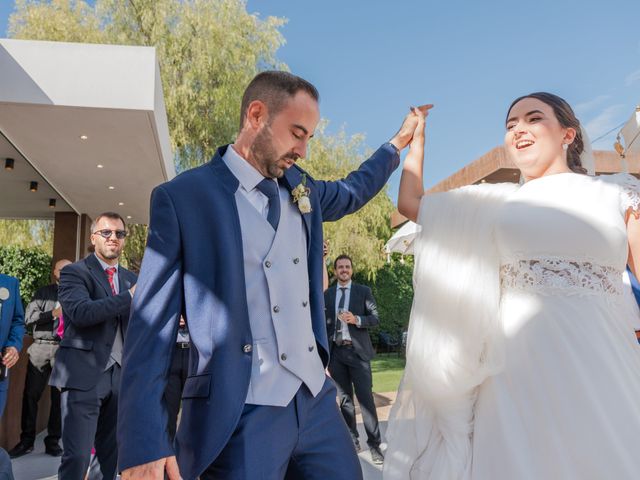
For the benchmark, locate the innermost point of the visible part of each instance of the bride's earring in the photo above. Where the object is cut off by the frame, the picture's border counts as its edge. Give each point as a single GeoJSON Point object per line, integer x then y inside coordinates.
{"type": "Point", "coordinates": [565, 146]}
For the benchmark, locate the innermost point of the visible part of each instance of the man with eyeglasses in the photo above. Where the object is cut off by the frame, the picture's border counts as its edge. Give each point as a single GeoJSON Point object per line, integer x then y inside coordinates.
{"type": "Point", "coordinates": [95, 294]}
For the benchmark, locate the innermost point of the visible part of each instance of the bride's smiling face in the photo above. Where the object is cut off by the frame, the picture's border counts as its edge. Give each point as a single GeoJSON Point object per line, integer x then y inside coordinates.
{"type": "Point", "coordinates": [535, 138]}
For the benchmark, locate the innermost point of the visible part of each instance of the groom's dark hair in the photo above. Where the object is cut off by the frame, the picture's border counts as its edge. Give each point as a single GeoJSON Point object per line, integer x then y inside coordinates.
{"type": "Point", "coordinates": [274, 88]}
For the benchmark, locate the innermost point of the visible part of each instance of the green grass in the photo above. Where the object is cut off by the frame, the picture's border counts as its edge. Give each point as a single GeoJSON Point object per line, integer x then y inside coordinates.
{"type": "Point", "coordinates": [387, 371]}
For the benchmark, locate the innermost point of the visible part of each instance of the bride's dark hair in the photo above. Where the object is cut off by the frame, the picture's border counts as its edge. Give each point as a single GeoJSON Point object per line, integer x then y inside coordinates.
{"type": "Point", "coordinates": [566, 117]}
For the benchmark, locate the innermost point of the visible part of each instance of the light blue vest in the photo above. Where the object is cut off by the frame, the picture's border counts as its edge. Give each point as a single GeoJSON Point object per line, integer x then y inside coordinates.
{"type": "Point", "coordinates": [277, 282]}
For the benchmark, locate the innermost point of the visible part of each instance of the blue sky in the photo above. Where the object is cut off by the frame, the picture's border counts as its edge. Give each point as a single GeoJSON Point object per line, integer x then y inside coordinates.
{"type": "Point", "coordinates": [371, 59]}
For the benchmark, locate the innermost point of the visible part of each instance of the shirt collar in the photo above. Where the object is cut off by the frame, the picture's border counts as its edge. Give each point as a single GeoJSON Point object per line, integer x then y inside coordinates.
{"type": "Point", "coordinates": [347, 286]}
{"type": "Point", "coordinates": [105, 265]}
{"type": "Point", "coordinates": [246, 173]}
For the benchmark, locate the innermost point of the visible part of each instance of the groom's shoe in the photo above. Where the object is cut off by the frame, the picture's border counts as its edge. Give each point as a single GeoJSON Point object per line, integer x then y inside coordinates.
{"type": "Point", "coordinates": [376, 455]}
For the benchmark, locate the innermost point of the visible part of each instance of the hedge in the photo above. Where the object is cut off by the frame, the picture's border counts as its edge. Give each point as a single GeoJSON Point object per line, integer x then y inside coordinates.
{"type": "Point", "coordinates": [32, 266]}
{"type": "Point", "coordinates": [393, 290]}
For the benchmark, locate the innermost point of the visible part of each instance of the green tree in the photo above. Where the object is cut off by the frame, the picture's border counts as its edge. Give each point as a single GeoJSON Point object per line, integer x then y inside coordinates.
{"type": "Point", "coordinates": [27, 233]}
{"type": "Point", "coordinates": [208, 51]}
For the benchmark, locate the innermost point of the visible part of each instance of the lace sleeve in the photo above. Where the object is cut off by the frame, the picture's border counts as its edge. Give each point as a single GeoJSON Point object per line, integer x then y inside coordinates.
{"type": "Point", "coordinates": [629, 191]}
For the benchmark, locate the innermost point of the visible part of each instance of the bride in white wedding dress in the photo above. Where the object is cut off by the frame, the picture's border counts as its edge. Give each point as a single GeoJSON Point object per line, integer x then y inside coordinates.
{"type": "Point", "coordinates": [522, 361]}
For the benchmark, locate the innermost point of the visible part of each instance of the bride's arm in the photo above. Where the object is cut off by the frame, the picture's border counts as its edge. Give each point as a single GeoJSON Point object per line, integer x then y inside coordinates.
{"type": "Point", "coordinates": [633, 234]}
{"type": "Point", "coordinates": [411, 182]}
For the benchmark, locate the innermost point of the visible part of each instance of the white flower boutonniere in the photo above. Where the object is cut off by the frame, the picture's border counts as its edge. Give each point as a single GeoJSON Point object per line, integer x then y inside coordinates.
{"type": "Point", "coordinates": [4, 294]}
{"type": "Point", "coordinates": [300, 196]}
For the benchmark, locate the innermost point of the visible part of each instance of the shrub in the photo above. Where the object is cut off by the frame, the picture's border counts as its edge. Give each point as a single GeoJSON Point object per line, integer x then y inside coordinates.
{"type": "Point", "coordinates": [32, 266]}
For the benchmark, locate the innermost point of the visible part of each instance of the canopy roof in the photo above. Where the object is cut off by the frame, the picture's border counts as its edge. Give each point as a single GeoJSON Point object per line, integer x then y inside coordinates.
{"type": "Point", "coordinates": [87, 122]}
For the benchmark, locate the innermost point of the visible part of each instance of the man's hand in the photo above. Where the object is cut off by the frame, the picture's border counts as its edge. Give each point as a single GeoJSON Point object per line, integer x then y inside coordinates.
{"type": "Point", "coordinates": [56, 312]}
{"type": "Point", "coordinates": [182, 323]}
{"type": "Point", "coordinates": [408, 127]}
{"type": "Point", "coordinates": [154, 470]}
{"type": "Point", "coordinates": [10, 357]}
{"type": "Point", "coordinates": [132, 290]}
{"type": "Point", "coordinates": [349, 318]}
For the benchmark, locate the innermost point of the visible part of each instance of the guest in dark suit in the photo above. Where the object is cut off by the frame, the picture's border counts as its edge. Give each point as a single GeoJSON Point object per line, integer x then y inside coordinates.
{"type": "Point", "coordinates": [235, 246]}
{"type": "Point", "coordinates": [43, 314]}
{"type": "Point", "coordinates": [95, 294]}
{"type": "Point", "coordinates": [11, 330]}
{"type": "Point", "coordinates": [350, 311]}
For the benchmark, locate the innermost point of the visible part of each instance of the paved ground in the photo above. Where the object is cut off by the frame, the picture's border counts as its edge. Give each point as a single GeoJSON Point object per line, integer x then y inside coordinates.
{"type": "Point", "coordinates": [40, 466]}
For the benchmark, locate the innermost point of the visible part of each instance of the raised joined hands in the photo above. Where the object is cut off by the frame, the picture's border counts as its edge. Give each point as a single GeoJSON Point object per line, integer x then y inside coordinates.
{"type": "Point", "coordinates": [409, 125]}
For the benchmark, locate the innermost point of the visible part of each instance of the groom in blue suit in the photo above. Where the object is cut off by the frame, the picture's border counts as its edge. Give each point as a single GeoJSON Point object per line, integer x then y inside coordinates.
{"type": "Point", "coordinates": [235, 246]}
{"type": "Point", "coordinates": [11, 329]}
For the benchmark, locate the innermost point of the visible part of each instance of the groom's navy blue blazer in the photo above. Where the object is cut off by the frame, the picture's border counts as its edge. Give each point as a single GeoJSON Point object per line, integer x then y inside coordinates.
{"type": "Point", "coordinates": [193, 265]}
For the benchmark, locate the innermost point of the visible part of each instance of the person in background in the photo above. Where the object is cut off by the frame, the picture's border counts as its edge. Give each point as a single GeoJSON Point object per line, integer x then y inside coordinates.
{"type": "Point", "coordinates": [43, 314]}
{"type": "Point", "coordinates": [351, 310]}
{"type": "Point", "coordinates": [95, 294]}
{"type": "Point", "coordinates": [11, 331]}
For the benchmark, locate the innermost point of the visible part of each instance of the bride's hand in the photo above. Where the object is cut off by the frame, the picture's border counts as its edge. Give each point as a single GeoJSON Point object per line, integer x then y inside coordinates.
{"type": "Point", "coordinates": [404, 135]}
{"type": "Point", "coordinates": [418, 134]}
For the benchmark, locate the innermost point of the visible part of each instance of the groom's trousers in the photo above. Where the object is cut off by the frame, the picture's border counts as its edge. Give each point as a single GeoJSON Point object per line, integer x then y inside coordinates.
{"type": "Point", "coordinates": [306, 440]}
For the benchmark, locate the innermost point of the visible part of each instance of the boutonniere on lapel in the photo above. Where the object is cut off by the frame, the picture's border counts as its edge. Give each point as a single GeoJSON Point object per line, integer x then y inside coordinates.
{"type": "Point", "coordinates": [4, 294]}
{"type": "Point", "coordinates": [300, 195]}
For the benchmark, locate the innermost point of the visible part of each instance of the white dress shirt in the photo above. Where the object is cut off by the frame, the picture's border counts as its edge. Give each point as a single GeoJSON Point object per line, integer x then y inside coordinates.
{"type": "Point", "coordinates": [347, 297]}
{"type": "Point", "coordinates": [249, 178]}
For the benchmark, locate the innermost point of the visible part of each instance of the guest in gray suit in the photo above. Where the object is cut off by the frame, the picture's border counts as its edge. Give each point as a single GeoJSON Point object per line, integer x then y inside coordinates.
{"type": "Point", "coordinates": [350, 311]}
{"type": "Point", "coordinates": [95, 294]}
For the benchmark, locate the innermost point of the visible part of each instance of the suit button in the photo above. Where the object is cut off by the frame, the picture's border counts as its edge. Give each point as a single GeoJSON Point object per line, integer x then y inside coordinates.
{"type": "Point", "coordinates": [276, 308]}
{"type": "Point", "coordinates": [283, 357]}
{"type": "Point", "coordinates": [267, 264]}
{"type": "Point", "coordinates": [247, 348]}
{"type": "Point", "coordinates": [296, 260]}
{"type": "Point", "coordinates": [305, 303]}
{"type": "Point", "coordinates": [311, 347]}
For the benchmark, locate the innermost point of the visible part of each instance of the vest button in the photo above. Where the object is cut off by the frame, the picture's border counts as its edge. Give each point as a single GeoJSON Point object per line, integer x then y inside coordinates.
{"type": "Point", "coordinates": [247, 348]}
{"type": "Point", "coordinates": [283, 357]}
{"type": "Point", "coordinates": [276, 308]}
{"type": "Point", "coordinates": [267, 264]}
{"type": "Point", "coordinates": [305, 303]}
{"type": "Point", "coordinates": [311, 347]}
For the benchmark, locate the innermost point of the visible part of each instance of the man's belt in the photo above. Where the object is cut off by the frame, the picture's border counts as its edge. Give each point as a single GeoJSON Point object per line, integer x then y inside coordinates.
{"type": "Point", "coordinates": [182, 345]}
{"type": "Point", "coordinates": [344, 343]}
{"type": "Point", "coordinates": [47, 342]}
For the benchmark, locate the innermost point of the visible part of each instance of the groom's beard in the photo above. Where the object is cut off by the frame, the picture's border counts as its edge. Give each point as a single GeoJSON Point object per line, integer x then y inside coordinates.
{"type": "Point", "coordinates": [266, 155]}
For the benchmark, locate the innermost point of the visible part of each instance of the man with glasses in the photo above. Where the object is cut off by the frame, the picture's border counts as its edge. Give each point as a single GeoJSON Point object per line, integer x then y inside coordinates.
{"type": "Point", "coordinates": [95, 294]}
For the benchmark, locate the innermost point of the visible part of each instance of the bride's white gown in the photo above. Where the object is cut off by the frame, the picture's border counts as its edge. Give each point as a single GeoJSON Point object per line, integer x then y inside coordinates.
{"type": "Point", "coordinates": [566, 404]}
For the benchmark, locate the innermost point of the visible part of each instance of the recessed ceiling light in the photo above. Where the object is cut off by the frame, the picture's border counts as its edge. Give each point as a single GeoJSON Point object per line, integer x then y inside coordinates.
{"type": "Point", "coordinates": [121, 203]}
{"type": "Point", "coordinates": [128, 217]}
{"type": "Point", "coordinates": [8, 164]}
{"type": "Point", "coordinates": [83, 137]}
{"type": "Point", "coordinates": [111, 187]}
{"type": "Point", "coordinates": [52, 203]}
{"type": "Point", "coordinates": [100, 166]}
{"type": "Point", "coordinates": [33, 186]}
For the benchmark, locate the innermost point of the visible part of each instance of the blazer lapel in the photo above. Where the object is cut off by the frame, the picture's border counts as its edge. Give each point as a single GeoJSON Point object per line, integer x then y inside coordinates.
{"type": "Point", "coordinates": [98, 273]}
{"type": "Point", "coordinates": [228, 183]}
